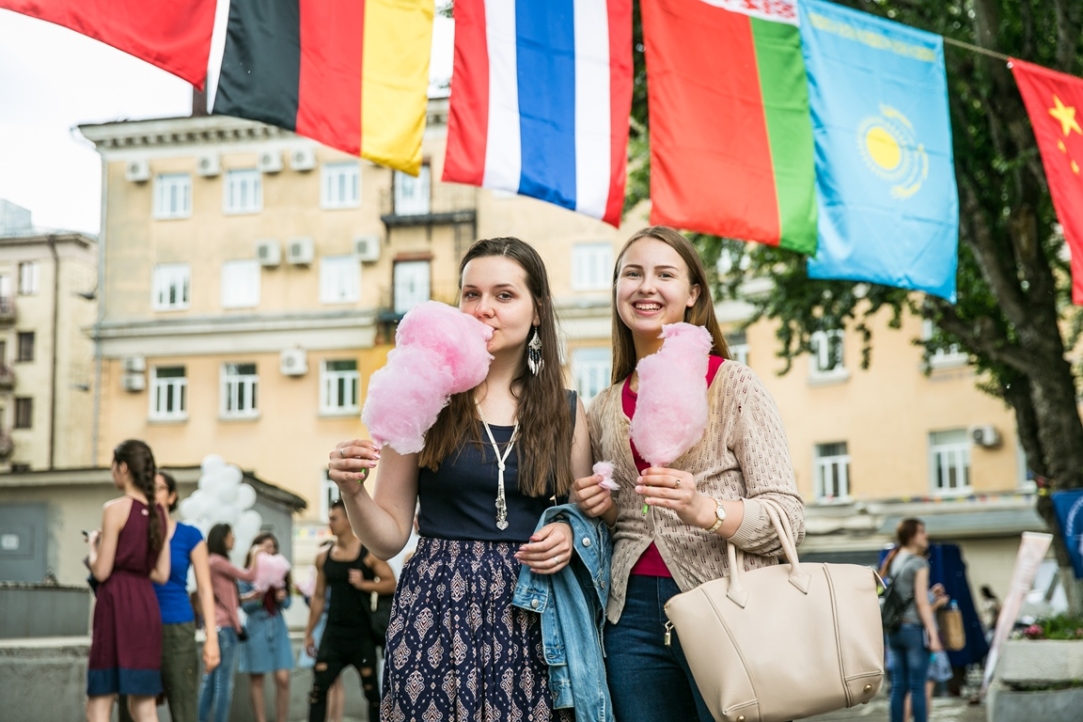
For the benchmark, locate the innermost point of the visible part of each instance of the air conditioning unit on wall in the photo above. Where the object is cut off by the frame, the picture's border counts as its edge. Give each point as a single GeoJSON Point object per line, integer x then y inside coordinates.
{"type": "Point", "coordinates": [302, 159]}
{"type": "Point", "coordinates": [293, 362]}
{"type": "Point", "coordinates": [367, 248]}
{"type": "Point", "coordinates": [985, 435]}
{"type": "Point", "coordinates": [269, 252]}
{"type": "Point", "coordinates": [137, 171]}
{"type": "Point", "coordinates": [133, 382]}
{"type": "Point", "coordinates": [270, 161]}
{"type": "Point", "coordinates": [134, 364]}
{"type": "Point", "coordinates": [299, 251]}
{"type": "Point", "coordinates": [207, 165]}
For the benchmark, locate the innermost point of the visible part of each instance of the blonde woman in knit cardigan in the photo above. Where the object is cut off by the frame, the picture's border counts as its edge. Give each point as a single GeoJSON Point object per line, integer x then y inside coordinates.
{"type": "Point", "coordinates": [706, 499]}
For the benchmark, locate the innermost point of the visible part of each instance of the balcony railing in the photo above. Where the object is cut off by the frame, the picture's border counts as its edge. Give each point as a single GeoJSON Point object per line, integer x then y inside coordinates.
{"type": "Point", "coordinates": [392, 309]}
{"type": "Point", "coordinates": [7, 309]}
{"type": "Point", "coordinates": [7, 377]}
{"type": "Point", "coordinates": [447, 204]}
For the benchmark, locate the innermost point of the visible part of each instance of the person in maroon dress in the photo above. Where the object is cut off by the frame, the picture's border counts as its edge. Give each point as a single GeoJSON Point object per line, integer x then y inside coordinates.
{"type": "Point", "coordinates": [126, 555]}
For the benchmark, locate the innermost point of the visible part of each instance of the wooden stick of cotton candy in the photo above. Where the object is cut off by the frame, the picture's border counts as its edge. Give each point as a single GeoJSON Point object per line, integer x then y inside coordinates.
{"type": "Point", "coordinates": [439, 351]}
{"type": "Point", "coordinates": [671, 408]}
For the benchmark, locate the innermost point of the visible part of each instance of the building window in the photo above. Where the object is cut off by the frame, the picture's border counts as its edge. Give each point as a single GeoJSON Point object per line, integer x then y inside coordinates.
{"type": "Point", "coordinates": [328, 495]}
{"type": "Point", "coordinates": [411, 284]}
{"type": "Point", "coordinates": [827, 356]}
{"type": "Point", "coordinates": [412, 196]}
{"type": "Point", "coordinates": [24, 413]}
{"type": "Point", "coordinates": [28, 278]}
{"type": "Point", "coordinates": [240, 386]}
{"type": "Point", "coordinates": [339, 382]}
{"type": "Point", "coordinates": [340, 279]}
{"type": "Point", "coordinates": [244, 191]}
{"type": "Point", "coordinates": [592, 266]}
{"type": "Point", "coordinates": [171, 286]}
{"type": "Point", "coordinates": [240, 284]}
{"type": "Point", "coordinates": [738, 346]}
{"type": "Point", "coordinates": [949, 461]}
{"type": "Point", "coordinates": [5, 293]}
{"type": "Point", "coordinates": [173, 195]}
{"type": "Point", "coordinates": [943, 358]}
{"type": "Point", "coordinates": [24, 350]}
{"type": "Point", "coordinates": [832, 472]}
{"type": "Point", "coordinates": [341, 184]}
{"type": "Point", "coordinates": [169, 395]}
{"type": "Point", "coordinates": [591, 368]}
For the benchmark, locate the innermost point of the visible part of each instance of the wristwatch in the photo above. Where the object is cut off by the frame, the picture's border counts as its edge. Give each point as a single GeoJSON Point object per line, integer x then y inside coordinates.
{"type": "Point", "coordinates": [720, 513]}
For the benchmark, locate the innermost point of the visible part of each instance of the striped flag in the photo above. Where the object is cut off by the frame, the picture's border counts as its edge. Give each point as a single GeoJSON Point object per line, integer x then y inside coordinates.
{"type": "Point", "coordinates": [540, 98]}
{"type": "Point", "coordinates": [174, 36]}
{"type": "Point", "coordinates": [351, 75]}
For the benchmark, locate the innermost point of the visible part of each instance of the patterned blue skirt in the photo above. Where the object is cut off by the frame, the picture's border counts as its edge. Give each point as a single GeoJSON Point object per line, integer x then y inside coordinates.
{"type": "Point", "coordinates": [456, 647]}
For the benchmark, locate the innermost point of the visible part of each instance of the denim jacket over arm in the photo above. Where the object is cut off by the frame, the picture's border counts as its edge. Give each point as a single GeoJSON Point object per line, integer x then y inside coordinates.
{"type": "Point", "coordinates": [572, 606]}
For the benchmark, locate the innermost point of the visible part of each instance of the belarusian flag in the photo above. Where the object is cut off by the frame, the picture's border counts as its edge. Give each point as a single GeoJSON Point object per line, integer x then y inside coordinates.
{"type": "Point", "coordinates": [730, 130]}
{"type": "Point", "coordinates": [175, 36]}
{"type": "Point", "coordinates": [1054, 103]}
{"type": "Point", "coordinates": [351, 75]}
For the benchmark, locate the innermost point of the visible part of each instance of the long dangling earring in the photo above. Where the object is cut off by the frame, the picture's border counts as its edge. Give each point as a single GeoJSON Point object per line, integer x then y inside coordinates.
{"type": "Point", "coordinates": [533, 353]}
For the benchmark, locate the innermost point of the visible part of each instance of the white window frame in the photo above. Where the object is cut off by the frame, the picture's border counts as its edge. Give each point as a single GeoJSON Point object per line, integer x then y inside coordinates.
{"type": "Point", "coordinates": [831, 466]}
{"type": "Point", "coordinates": [951, 357]}
{"type": "Point", "coordinates": [243, 191]}
{"type": "Point", "coordinates": [411, 284]}
{"type": "Point", "coordinates": [340, 279]}
{"type": "Point", "coordinates": [331, 392]}
{"type": "Point", "coordinates": [236, 384]}
{"type": "Point", "coordinates": [340, 185]}
{"type": "Point", "coordinates": [29, 278]}
{"type": "Point", "coordinates": [161, 388]}
{"type": "Point", "coordinates": [819, 372]}
{"type": "Point", "coordinates": [171, 287]}
{"type": "Point", "coordinates": [951, 455]}
{"type": "Point", "coordinates": [172, 196]}
{"type": "Point", "coordinates": [240, 286]}
{"type": "Point", "coordinates": [739, 347]}
{"type": "Point", "coordinates": [413, 196]}
{"type": "Point", "coordinates": [329, 494]}
{"type": "Point", "coordinates": [592, 368]}
{"type": "Point", "coordinates": [592, 266]}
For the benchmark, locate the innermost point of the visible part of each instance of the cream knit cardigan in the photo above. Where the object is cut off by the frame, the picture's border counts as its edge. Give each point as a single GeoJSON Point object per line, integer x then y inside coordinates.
{"type": "Point", "coordinates": [743, 455]}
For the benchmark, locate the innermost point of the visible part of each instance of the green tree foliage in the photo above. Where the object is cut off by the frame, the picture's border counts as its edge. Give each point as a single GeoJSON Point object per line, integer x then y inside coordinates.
{"type": "Point", "coordinates": [1013, 314]}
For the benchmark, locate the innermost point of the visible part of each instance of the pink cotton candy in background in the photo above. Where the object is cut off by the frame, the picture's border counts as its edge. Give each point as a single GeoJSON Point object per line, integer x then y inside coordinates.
{"type": "Point", "coordinates": [605, 468]}
{"type": "Point", "coordinates": [271, 570]}
{"type": "Point", "coordinates": [439, 351]}
{"type": "Point", "coordinates": [671, 409]}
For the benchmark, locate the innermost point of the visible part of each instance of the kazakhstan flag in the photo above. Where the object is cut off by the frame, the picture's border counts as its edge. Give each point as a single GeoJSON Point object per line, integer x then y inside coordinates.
{"type": "Point", "coordinates": [885, 176]}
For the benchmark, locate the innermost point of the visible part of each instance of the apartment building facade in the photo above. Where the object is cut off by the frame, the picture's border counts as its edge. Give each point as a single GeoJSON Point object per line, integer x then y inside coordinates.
{"type": "Point", "coordinates": [47, 297]}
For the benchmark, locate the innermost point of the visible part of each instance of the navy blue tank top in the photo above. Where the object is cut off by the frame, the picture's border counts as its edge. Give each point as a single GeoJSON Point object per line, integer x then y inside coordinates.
{"type": "Point", "coordinates": [458, 501]}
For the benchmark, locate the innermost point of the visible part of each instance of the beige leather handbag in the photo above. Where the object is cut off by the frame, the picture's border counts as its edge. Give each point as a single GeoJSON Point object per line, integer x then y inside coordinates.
{"type": "Point", "coordinates": [782, 642]}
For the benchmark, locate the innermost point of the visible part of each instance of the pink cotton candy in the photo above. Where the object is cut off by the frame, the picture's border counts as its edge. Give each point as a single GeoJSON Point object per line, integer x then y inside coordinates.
{"type": "Point", "coordinates": [271, 572]}
{"type": "Point", "coordinates": [605, 468]}
{"type": "Point", "coordinates": [439, 351]}
{"type": "Point", "coordinates": [671, 409]}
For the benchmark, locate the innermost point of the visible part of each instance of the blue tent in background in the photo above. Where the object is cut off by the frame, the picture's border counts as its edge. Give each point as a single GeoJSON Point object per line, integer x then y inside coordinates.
{"type": "Point", "coordinates": [946, 566]}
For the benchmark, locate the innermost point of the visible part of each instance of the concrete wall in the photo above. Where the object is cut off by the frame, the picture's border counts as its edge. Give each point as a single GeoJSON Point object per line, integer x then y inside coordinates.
{"type": "Point", "coordinates": [34, 610]}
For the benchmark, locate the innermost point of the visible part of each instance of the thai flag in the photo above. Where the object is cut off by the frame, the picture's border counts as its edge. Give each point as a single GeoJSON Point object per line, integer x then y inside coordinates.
{"type": "Point", "coordinates": [541, 92]}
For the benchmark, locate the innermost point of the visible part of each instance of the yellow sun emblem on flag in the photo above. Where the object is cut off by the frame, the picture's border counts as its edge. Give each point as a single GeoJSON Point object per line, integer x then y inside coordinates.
{"type": "Point", "coordinates": [890, 149]}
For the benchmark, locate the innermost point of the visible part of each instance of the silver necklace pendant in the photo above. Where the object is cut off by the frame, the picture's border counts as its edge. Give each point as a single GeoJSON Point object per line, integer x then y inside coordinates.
{"type": "Point", "coordinates": [501, 501]}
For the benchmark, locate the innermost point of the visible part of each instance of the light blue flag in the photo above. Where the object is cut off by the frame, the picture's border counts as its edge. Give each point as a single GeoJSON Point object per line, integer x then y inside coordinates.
{"type": "Point", "coordinates": [885, 176]}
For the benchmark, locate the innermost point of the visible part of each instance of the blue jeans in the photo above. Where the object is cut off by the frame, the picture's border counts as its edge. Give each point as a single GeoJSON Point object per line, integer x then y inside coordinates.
{"type": "Point", "coordinates": [216, 689]}
{"type": "Point", "coordinates": [910, 667]}
{"type": "Point", "coordinates": [649, 682]}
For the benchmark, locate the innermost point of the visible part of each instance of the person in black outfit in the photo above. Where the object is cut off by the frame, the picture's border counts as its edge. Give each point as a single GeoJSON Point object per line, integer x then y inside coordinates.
{"type": "Point", "coordinates": [352, 574]}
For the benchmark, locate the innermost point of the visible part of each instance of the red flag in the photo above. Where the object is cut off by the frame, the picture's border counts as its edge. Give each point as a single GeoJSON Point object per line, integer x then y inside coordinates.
{"type": "Point", "coordinates": [1055, 104]}
{"type": "Point", "coordinates": [175, 36]}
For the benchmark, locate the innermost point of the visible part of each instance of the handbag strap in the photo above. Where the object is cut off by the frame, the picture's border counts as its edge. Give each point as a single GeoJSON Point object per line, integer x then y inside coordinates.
{"type": "Point", "coordinates": [801, 580]}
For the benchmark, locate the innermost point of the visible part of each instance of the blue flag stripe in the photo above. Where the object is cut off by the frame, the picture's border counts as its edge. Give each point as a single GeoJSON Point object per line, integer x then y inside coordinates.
{"type": "Point", "coordinates": [545, 45]}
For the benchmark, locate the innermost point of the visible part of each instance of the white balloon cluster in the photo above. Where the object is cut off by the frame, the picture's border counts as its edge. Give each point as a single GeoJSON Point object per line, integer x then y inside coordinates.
{"type": "Point", "coordinates": [223, 498]}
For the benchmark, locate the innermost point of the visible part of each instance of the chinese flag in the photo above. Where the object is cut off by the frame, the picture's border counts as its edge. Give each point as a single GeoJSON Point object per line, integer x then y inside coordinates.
{"type": "Point", "coordinates": [1055, 104]}
{"type": "Point", "coordinates": [175, 36]}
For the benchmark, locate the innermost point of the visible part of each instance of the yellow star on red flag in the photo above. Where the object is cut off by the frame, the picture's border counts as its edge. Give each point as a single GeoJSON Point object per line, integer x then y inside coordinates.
{"type": "Point", "coordinates": [1066, 115]}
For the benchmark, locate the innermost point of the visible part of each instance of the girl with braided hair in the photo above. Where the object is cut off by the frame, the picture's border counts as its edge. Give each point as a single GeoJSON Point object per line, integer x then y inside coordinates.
{"type": "Point", "coordinates": [126, 555]}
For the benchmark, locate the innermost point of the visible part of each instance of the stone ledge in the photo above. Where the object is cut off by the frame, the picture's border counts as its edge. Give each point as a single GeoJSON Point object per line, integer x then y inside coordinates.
{"type": "Point", "coordinates": [1007, 705]}
{"type": "Point", "coordinates": [1038, 662]}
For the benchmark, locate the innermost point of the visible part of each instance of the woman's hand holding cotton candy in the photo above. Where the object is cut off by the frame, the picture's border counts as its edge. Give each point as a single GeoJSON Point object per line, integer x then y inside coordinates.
{"type": "Point", "coordinates": [676, 489]}
{"type": "Point", "coordinates": [593, 499]}
{"type": "Point", "coordinates": [350, 462]}
{"type": "Point", "coordinates": [439, 351]}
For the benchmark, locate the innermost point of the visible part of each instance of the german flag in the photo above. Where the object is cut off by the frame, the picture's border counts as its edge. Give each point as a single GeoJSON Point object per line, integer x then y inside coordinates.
{"type": "Point", "coordinates": [351, 74]}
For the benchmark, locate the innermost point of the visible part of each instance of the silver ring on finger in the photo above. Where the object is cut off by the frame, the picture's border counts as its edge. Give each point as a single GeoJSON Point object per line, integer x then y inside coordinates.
{"type": "Point", "coordinates": [341, 452]}
{"type": "Point", "coordinates": [676, 483]}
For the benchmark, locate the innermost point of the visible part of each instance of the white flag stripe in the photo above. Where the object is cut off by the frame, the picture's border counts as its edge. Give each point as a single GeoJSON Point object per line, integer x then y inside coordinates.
{"type": "Point", "coordinates": [218, 48]}
{"type": "Point", "coordinates": [592, 107]}
{"type": "Point", "coordinates": [503, 151]}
